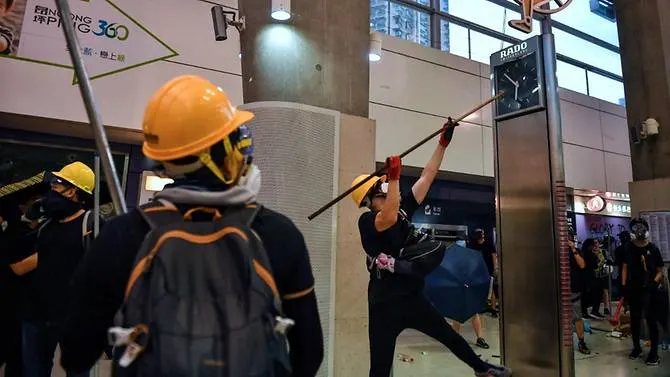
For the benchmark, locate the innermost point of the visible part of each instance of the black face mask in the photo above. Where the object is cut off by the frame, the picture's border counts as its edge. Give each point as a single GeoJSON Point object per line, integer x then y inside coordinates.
{"type": "Point", "coordinates": [58, 207]}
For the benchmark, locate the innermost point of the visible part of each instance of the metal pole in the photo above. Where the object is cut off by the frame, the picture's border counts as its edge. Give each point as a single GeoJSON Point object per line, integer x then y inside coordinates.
{"type": "Point", "coordinates": [96, 199]}
{"type": "Point", "coordinates": [101, 143]}
{"type": "Point", "coordinates": [403, 154]}
{"type": "Point", "coordinates": [567, 360]}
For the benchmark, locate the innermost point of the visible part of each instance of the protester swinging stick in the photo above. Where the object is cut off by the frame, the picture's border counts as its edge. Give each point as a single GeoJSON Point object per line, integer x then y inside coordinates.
{"type": "Point", "coordinates": [403, 154]}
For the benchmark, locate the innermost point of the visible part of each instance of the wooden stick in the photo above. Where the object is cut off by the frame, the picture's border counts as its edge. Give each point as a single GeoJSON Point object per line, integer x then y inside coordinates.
{"type": "Point", "coordinates": [403, 154]}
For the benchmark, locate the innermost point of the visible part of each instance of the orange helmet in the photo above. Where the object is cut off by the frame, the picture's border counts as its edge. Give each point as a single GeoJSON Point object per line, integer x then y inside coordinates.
{"type": "Point", "coordinates": [186, 116]}
{"type": "Point", "coordinates": [189, 115]}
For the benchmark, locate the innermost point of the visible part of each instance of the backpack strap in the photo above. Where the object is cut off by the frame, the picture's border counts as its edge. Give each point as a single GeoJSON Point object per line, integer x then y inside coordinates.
{"type": "Point", "coordinates": [85, 232]}
{"type": "Point", "coordinates": [159, 213]}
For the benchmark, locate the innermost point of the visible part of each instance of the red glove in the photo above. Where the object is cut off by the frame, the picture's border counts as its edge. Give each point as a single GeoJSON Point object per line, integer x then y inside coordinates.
{"type": "Point", "coordinates": [447, 132]}
{"type": "Point", "coordinates": [393, 164]}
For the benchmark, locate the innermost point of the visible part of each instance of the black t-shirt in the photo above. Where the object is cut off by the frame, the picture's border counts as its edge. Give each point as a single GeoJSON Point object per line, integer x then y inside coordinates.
{"type": "Point", "coordinates": [59, 250]}
{"type": "Point", "coordinates": [23, 246]}
{"type": "Point", "coordinates": [390, 242]}
{"type": "Point", "coordinates": [488, 251]}
{"type": "Point", "coordinates": [100, 283]}
{"type": "Point", "coordinates": [642, 263]}
{"type": "Point", "coordinates": [576, 275]}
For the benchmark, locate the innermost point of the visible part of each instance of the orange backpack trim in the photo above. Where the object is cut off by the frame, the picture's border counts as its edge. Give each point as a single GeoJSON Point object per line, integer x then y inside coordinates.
{"type": "Point", "coordinates": [299, 294]}
{"type": "Point", "coordinates": [145, 262]}
{"type": "Point", "coordinates": [266, 276]}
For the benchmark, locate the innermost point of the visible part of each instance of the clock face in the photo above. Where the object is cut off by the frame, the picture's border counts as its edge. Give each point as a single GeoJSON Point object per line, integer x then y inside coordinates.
{"type": "Point", "coordinates": [520, 80]}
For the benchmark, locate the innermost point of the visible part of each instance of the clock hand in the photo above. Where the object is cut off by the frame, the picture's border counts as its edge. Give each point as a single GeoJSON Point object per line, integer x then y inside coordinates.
{"type": "Point", "coordinates": [510, 79]}
{"type": "Point", "coordinates": [516, 93]}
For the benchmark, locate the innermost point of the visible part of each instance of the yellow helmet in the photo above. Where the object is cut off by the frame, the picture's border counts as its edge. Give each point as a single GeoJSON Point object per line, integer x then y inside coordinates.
{"type": "Point", "coordinates": [362, 192]}
{"type": "Point", "coordinates": [186, 116]}
{"type": "Point", "coordinates": [78, 175]}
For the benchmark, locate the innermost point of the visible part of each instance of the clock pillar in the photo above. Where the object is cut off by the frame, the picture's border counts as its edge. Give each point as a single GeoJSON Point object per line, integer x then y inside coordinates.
{"type": "Point", "coordinates": [536, 307]}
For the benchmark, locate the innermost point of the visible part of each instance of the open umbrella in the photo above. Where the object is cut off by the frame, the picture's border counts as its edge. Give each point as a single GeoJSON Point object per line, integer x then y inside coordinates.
{"type": "Point", "coordinates": [459, 286]}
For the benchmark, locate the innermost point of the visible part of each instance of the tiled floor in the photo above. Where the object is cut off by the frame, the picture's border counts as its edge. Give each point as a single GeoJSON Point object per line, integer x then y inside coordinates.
{"type": "Point", "coordinates": [609, 357]}
{"type": "Point", "coordinates": [431, 359]}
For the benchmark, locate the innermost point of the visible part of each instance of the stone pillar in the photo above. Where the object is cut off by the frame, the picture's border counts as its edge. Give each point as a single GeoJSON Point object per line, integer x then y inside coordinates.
{"type": "Point", "coordinates": [644, 35]}
{"type": "Point", "coordinates": [319, 57]}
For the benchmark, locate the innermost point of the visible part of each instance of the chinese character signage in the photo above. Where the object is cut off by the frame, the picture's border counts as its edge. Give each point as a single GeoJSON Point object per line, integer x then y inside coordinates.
{"type": "Point", "coordinates": [110, 39]}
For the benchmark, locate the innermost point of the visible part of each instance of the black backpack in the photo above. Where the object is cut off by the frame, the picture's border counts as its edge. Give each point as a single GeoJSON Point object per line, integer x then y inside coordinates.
{"type": "Point", "coordinates": [201, 300]}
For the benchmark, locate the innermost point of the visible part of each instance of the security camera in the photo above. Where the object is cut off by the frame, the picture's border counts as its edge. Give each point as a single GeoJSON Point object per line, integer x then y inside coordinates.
{"type": "Point", "coordinates": [221, 19]}
{"type": "Point", "coordinates": [649, 128]}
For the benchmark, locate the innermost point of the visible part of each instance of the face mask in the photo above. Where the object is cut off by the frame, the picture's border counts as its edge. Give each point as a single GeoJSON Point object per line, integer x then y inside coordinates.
{"type": "Point", "coordinates": [460, 243]}
{"type": "Point", "coordinates": [58, 207]}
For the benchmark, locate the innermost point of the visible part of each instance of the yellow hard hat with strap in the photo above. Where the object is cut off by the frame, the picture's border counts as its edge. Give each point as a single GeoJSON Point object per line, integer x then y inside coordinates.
{"type": "Point", "coordinates": [363, 191]}
{"type": "Point", "coordinates": [78, 175]}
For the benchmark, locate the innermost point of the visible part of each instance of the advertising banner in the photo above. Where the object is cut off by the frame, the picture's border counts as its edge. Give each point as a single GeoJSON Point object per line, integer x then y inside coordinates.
{"type": "Point", "coordinates": [110, 39]}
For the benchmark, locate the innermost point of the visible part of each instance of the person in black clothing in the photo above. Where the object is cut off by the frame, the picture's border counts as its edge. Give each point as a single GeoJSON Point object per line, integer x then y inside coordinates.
{"type": "Point", "coordinates": [490, 256]}
{"type": "Point", "coordinates": [643, 283]}
{"type": "Point", "coordinates": [180, 129]}
{"type": "Point", "coordinates": [592, 284]}
{"type": "Point", "coordinates": [395, 292]}
{"type": "Point", "coordinates": [577, 266]}
{"type": "Point", "coordinates": [60, 246]}
{"type": "Point", "coordinates": [10, 322]}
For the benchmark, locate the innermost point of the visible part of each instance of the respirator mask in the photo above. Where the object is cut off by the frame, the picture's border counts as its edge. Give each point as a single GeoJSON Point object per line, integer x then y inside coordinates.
{"type": "Point", "coordinates": [640, 231]}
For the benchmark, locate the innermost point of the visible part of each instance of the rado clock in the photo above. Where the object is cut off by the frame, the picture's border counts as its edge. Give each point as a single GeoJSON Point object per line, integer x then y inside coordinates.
{"type": "Point", "coordinates": [518, 72]}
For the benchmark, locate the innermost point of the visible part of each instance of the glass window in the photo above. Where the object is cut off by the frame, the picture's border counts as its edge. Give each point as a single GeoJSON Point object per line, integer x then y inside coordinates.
{"type": "Point", "coordinates": [587, 52]}
{"type": "Point", "coordinates": [422, 2]}
{"type": "Point", "coordinates": [379, 15]}
{"type": "Point", "coordinates": [606, 89]}
{"type": "Point", "coordinates": [487, 14]}
{"type": "Point", "coordinates": [482, 46]}
{"type": "Point", "coordinates": [571, 77]}
{"type": "Point", "coordinates": [455, 39]}
{"type": "Point", "coordinates": [410, 24]}
{"type": "Point", "coordinates": [591, 17]}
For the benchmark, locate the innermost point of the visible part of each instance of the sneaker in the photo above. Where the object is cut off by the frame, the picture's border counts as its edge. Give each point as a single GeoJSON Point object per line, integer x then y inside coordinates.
{"type": "Point", "coordinates": [653, 360]}
{"type": "Point", "coordinates": [495, 371]}
{"type": "Point", "coordinates": [583, 348]}
{"type": "Point", "coordinates": [481, 343]}
{"type": "Point", "coordinates": [635, 354]}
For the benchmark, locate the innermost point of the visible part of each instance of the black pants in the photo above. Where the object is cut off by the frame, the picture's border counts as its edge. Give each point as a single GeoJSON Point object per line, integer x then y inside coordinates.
{"type": "Point", "coordinates": [10, 347]}
{"type": "Point", "coordinates": [388, 319]}
{"type": "Point", "coordinates": [642, 302]}
{"type": "Point", "coordinates": [592, 296]}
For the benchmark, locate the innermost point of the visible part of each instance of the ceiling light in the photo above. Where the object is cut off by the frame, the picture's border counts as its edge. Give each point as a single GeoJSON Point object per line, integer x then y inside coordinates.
{"type": "Point", "coordinates": [281, 10]}
{"type": "Point", "coordinates": [375, 53]}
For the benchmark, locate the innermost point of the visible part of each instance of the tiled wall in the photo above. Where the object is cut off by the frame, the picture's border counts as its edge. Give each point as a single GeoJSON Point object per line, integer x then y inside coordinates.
{"type": "Point", "coordinates": [413, 89]}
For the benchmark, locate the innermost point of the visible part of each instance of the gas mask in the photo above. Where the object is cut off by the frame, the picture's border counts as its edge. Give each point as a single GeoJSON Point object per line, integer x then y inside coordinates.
{"type": "Point", "coordinates": [640, 231]}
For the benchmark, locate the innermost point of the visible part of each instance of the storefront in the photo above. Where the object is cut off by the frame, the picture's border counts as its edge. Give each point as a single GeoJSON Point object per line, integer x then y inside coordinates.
{"type": "Point", "coordinates": [455, 209]}
{"type": "Point", "coordinates": [593, 214]}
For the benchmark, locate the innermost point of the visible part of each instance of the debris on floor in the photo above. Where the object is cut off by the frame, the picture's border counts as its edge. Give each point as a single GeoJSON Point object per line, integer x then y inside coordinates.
{"type": "Point", "coordinates": [405, 358]}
